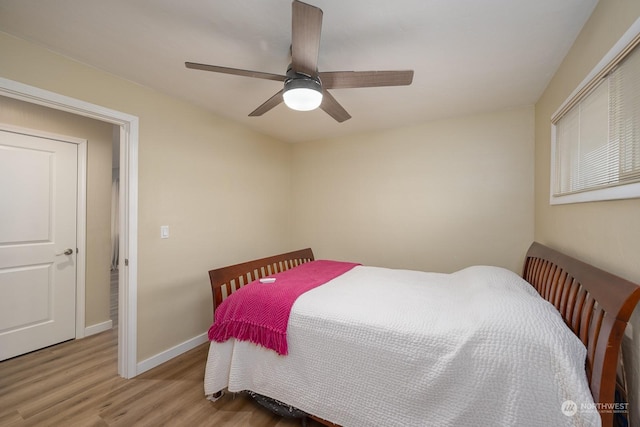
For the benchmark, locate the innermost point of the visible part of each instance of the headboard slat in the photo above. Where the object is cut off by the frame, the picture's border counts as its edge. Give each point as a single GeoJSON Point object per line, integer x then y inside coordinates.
{"type": "Point", "coordinates": [585, 319]}
{"type": "Point", "coordinates": [577, 310]}
{"type": "Point", "coordinates": [594, 333]}
{"type": "Point", "coordinates": [556, 291]}
{"type": "Point", "coordinates": [548, 284]}
{"type": "Point", "coordinates": [565, 289]}
{"type": "Point", "coordinates": [571, 302]}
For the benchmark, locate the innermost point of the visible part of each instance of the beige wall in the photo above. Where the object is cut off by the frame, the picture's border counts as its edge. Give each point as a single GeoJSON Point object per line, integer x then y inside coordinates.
{"type": "Point", "coordinates": [98, 136]}
{"type": "Point", "coordinates": [606, 234]}
{"type": "Point", "coordinates": [438, 196]}
{"type": "Point", "coordinates": [222, 189]}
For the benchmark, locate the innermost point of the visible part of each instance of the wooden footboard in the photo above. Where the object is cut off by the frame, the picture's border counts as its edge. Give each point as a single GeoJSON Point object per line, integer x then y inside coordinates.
{"type": "Point", "coordinates": [226, 280]}
{"type": "Point", "coordinates": [596, 305]}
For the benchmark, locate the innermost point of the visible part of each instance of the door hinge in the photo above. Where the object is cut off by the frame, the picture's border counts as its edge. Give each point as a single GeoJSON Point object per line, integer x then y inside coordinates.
{"type": "Point", "coordinates": [126, 262]}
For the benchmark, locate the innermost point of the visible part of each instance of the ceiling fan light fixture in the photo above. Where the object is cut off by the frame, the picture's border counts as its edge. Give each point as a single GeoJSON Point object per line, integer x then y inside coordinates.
{"type": "Point", "coordinates": [302, 94]}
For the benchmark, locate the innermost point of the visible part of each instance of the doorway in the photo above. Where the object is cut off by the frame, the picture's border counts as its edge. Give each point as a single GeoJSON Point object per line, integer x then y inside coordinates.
{"type": "Point", "coordinates": [128, 205]}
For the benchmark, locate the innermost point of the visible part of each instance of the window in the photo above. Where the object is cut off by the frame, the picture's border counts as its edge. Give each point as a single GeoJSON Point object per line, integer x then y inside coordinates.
{"type": "Point", "coordinates": [596, 132]}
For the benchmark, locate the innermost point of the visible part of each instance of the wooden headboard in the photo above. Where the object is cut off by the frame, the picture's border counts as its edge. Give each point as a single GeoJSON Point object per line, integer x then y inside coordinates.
{"type": "Point", "coordinates": [226, 280]}
{"type": "Point", "coordinates": [595, 304]}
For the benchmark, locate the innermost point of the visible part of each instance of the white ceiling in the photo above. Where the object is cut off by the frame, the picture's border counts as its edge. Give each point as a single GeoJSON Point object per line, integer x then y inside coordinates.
{"type": "Point", "coordinates": [468, 55]}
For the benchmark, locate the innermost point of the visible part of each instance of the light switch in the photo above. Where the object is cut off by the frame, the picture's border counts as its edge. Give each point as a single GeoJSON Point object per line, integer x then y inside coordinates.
{"type": "Point", "coordinates": [164, 231]}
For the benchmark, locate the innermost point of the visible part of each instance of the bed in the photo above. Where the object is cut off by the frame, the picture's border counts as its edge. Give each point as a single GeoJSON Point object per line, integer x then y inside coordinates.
{"type": "Point", "coordinates": [340, 375]}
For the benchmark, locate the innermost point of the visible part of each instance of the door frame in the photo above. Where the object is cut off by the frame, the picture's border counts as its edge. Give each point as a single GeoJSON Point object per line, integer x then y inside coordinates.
{"type": "Point", "coordinates": [128, 226]}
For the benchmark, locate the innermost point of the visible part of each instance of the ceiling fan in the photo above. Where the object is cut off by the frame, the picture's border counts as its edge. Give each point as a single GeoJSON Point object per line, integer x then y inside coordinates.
{"type": "Point", "coordinates": [305, 88]}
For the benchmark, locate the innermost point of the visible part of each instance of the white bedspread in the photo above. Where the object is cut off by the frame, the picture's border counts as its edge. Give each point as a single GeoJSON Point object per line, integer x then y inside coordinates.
{"type": "Point", "coordinates": [381, 347]}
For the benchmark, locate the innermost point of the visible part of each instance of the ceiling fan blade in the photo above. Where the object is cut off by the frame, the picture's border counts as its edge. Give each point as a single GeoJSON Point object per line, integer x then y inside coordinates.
{"type": "Point", "coordinates": [353, 79]}
{"type": "Point", "coordinates": [333, 107]}
{"type": "Point", "coordinates": [268, 104]}
{"type": "Point", "coordinates": [305, 37]}
{"type": "Point", "coordinates": [235, 71]}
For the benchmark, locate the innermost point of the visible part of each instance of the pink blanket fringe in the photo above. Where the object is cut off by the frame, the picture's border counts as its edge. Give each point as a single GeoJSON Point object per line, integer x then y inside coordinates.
{"type": "Point", "coordinates": [259, 312]}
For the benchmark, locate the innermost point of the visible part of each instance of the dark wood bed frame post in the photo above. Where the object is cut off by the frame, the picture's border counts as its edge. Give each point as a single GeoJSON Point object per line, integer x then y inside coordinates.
{"type": "Point", "coordinates": [596, 305]}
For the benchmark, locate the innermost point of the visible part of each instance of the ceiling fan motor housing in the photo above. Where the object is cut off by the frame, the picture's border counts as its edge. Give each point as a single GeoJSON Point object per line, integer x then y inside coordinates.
{"type": "Point", "coordinates": [302, 81]}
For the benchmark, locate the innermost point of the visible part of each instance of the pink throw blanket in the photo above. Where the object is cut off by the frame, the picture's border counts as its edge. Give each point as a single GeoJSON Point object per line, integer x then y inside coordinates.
{"type": "Point", "coordinates": [259, 312]}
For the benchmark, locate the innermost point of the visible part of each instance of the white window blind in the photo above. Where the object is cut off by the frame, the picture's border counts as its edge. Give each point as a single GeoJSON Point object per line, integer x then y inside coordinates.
{"type": "Point", "coordinates": [625, 115]}
{"type": "Point", "coordinates": [597, 132]}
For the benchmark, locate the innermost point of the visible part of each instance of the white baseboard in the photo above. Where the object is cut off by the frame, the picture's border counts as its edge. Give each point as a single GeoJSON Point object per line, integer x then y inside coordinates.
{"type": "Point", "coordinates": [169, 354]}
{"type": "Point", "coordinates": [97, 328]}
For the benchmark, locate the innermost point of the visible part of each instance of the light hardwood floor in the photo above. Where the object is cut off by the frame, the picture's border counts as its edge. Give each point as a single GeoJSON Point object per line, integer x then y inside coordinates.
{"type": "Point", "coordinates": [76, 384]}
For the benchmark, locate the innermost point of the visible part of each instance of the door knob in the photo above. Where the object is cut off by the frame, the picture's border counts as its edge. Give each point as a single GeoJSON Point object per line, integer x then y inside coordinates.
{"type": "Point", "coordinates": [67, 251]}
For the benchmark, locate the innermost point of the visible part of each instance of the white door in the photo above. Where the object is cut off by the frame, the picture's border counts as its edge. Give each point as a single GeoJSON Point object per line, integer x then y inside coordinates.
{"type": "Point", "coordinates": [38, 186]}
